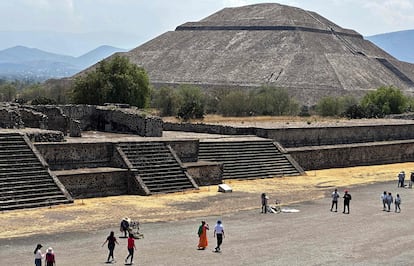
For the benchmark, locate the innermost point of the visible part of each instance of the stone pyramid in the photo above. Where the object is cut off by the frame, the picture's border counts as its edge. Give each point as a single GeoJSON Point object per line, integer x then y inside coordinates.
{"type": "Point", "coordinates": [288, 47]}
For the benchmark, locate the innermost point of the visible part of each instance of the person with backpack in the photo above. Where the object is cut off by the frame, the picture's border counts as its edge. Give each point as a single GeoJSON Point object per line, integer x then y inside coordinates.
{"type": "Point", "coordinates": [50, 257]}
{"type": "Point", "coordinates": [335, 196]}
{"type": "Point", "coordinates": [111, 239]}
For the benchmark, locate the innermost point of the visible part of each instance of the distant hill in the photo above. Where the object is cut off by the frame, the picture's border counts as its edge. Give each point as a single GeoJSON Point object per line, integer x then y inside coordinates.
{"type": "Point", "coordinates": [21, 62]}
{"type": "Point", "coordinates": [399, 44]}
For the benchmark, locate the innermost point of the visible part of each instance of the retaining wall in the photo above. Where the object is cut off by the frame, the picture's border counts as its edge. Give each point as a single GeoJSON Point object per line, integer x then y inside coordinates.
{"type": "Point", "coordinates": [61, 156]}
{"type": "Point", "coordinates": [206, 173]}
{"type": "Point", "coordinates": [86, 184]}
{"type": "Point", "coordinates": [334, 156]}
{"type": "Point", "coordinates": [309, 136]}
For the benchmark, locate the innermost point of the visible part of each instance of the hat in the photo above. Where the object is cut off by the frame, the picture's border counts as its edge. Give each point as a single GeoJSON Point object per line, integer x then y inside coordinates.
{"type": "Point", "coordinates": [50, 250]}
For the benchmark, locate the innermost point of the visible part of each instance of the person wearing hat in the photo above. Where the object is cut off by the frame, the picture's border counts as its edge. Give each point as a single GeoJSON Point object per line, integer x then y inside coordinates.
{"type": "Point", "coordinates": [50, 257]}
{"type": "Point", "coordinates": [38, 255]}
{"type": "Point", "coordinates": [347, 198]}
{"type": "Point", "coordinates": [219, 232]}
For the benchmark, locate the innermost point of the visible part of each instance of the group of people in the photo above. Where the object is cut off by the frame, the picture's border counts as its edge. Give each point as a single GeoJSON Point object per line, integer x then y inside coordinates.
{"type": "Point", "coordinates": [401, 179]}
{"type": "Point", "coordinates": [387, 200]}
{"type": "Point", "coordinates": [202, 235]}
{"type": "Point", "coordinates": [111, 240]}
{"type": "Point", "coordinates": [335, 197]}
{"type": "Point", "coordinates": [49, 256]}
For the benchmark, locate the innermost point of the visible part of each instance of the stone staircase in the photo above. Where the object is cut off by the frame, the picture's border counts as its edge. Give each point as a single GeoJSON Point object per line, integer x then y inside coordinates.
{"type": "Point", "coordinates": [24, 181]}
{"type": "Point", "coordinates": [249, 159]}
{"type": "Point", "coordinates": [157, 166]}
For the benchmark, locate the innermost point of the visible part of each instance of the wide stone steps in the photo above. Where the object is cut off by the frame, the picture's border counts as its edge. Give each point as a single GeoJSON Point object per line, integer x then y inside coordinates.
{"type": "Point", "coordinates": [24, 181]}
{"type": "Point", "coordinates": [247, 159]}
{"type": "Point", "coordinates": [157, 167]}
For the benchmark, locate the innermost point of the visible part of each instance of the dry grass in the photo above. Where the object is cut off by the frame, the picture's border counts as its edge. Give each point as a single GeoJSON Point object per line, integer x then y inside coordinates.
{"type": "Point", "coordinates": [96, 213]}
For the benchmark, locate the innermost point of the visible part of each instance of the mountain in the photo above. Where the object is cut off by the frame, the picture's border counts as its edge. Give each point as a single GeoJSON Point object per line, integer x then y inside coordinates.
{"type": "Point", "coordinates": [21, 62]}
{"type": "Point", "coordinates": [399, 44]}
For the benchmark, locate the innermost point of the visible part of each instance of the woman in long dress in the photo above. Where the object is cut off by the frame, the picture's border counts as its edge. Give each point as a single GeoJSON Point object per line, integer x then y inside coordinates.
{"type": "Point", "coordinates": [202, 234]}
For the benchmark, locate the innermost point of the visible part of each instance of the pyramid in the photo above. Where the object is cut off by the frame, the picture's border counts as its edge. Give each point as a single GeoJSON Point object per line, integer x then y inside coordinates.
{"type": "Point", "coordinates": [271, 44]}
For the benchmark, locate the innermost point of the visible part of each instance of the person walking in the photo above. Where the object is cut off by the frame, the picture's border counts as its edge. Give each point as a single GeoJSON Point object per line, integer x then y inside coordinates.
{"type": "Point", "coordinates": [131, 248]}
{"type": "Point", "coordinates": [389, 201]}
{"type": "Point", "coordinates": [219, 233]}
{"type": "Point", "coordinates": [111, 240]}
{"type": "Point", "coordinates": [202, 234]}
{"type": "Point", "coordinates": [397, 203]}
{"type": "Point", "coordinates": [335, 196]}
{"type": "Point", "coordinates": [347, 198]}
{"type": "Point", "coordinates": [411, 179]}
{"type": "Point", "coordinates": [50, 257]}
{"type": "Point", "coordinates": [384, 200]}
{"type": "Point", "coordinates": [265, 200]}
{"type": "Point", "coordinates": [38, 255]}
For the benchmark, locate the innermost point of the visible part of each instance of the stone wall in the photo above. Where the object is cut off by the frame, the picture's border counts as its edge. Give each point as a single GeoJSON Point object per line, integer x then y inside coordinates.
{"type": "Point", "coordinates": [10, 118]}
{"type": "Point", "coordinates": [205, 173]}
{"type": "Point", "coordinates": [95, 184]}
{"type": "Point", "coordinates": [56, 119]}
{"type": "Point", "coordinates": [45, 136]}
{"type": "Point", "coordinates": [186, 150]}
{"type": "Point", "coordinates": [33, 119]}
{"type": "Point", "coordinates": [77, 155]}
{"type": "Point", "coordinates": [84, 117]}
{"type": "Point", "coordinates": [312, 136]}
{"type": "Point", "coordinates": [334, 156]}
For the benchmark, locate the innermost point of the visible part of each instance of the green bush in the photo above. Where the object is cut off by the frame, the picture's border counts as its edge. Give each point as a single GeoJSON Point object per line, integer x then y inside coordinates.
{"type": "Point", "coordinates": [235, 103]}
{"type": "Point", "coordinates": [191, 102]}
{"type": "Point", "coordinates": [167, 101]}
{"type": "Point", "coordinates": [273, 101]}
{"type": "Point", "coordinates": [384, 101]}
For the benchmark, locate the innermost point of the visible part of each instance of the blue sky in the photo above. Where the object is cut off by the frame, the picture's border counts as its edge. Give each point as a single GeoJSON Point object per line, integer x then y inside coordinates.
{"type": "Point", "coordinates": [128, 23]}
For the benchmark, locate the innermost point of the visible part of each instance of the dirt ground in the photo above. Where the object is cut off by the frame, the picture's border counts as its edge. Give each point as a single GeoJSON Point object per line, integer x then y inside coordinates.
{"type": "Point", "coordinates": [100, 213]}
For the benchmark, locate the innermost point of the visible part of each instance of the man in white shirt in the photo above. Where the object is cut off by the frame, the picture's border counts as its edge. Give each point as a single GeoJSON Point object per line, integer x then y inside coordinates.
{"type": "Point", "coordinates": [219, 232]}
{"type": "Point", "coordinates": [335, 197]}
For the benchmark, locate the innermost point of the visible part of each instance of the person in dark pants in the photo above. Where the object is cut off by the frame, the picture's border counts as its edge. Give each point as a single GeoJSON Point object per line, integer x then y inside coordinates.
{"type": "Point", "coordinates": [389, 201]}
{"type": "Point", "coordinates": [111, 240]}
{"type": "Point", "coordinates": [131, 248]}
{"type": "Point", "coordinates": [347, 198]}
{"type": "Point", "coordinates": [397, 203]}
{"type": "Point", "coordinates": [264, 202]}
{"type": "Point", "coordinates": [411, 179]}
{"type": "Point", "coordinates": [335, 197]}
{"type": "Point", "coordinates": [219, 233]}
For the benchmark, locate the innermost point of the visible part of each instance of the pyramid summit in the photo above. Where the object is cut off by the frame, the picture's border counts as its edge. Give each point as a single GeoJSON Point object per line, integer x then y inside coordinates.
{"type": "Point", "coordinates": [271, 44]}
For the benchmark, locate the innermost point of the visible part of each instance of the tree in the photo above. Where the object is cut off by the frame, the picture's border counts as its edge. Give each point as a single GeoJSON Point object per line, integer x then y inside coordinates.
{"type": "Point", "coordinates": [270, 100]}
{"type": "Point", "coordinates": [191, 102]}
{"type": "Point", "coordinates": [7, 92]}
{"type": "Point", "coordinates": [167, 100]}
{"type": "Point", "coordinates": [117, 81]}
{"type": "Point", "coordinates": [235, 103]}
{"type": "Point", "coordinates": [384, 101]}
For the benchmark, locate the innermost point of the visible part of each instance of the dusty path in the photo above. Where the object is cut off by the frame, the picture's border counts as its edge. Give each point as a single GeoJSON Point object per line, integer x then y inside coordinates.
{"type": "Point", "coordinates": [314, 236]}
{"type": "Point", "coordinates": [99, 213]}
